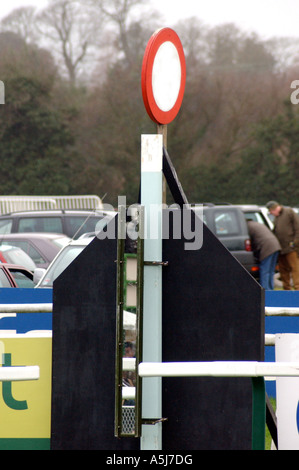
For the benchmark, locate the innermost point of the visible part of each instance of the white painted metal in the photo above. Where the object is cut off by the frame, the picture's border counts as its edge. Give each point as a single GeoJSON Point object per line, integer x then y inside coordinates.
{"type": "Point", "coordinates": [166, 76]}
{"type": "Point", "coordinates": [129, 363]}
{"type": "Point", "coordinates": [47, 307]}
{"type": "Point", "coordinates": [282, 311]}
{"type": "Point", "coordinates": [269, 340]}
{"type": "Point", "coordinates": [9, 374]}
{"type": "Point", "coordinates": [219, 369]}
{"type": "Point", "coordinates": [26, 308]}
{"type": "Point", "coordinates": [12, 309]}
{"type": "Point", "coordinates": [128, 393]}
{"type": "Point", "coordinates": [151, 200]}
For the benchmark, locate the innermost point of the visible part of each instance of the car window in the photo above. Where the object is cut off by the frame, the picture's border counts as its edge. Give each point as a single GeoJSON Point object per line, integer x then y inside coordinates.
{"type": "Point", "coordinates": [85, 224]}
{"type": "Point", "coordinates": [4, 282]}
{"type": "Point", "coordinates": [28, 248]}
{"type": "Point", "coordinates": [40, 224]}
{"type": "Point", "coordinates": [226, 223]}
{"type": "Point", "coordinates": [5, 225]}
{"type": "Point", "coordinates": [15, 255]}
{"type": "Point", "coordinates": [255, 216]}
{"type": "Point", "coordinates": [21, 278]}
{"type": "Point", "coordinates": [60, 263]}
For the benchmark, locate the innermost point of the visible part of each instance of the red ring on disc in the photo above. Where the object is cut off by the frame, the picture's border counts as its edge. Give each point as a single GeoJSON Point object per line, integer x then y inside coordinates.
{"type": "Point", "coordinates": [154, 111]}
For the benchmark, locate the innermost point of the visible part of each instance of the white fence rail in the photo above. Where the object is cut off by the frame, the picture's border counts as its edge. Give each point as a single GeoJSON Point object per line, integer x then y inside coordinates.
{"type": "Point", "coordinates": [219, 369]}
{"type": "Point", "coordinates": [210, 369]}
{"type": "Point", "coordinates": [10, 374]}
{"type": "Point", "coordinates": [241, 369]}
{"type": "Point", "coordinates": [21, 203]}
{"type": "Point", "coordinates": [282, 311]}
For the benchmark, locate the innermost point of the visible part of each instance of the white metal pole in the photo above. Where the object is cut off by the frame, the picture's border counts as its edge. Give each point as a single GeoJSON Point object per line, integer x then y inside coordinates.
{"type": "Point", "coordinates": [151, 200]}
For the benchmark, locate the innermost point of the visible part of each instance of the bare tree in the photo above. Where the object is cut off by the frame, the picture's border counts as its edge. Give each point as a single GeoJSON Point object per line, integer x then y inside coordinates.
{"type": "Point", "coordinates": [21, 21]}
{"type": "Point", "coordinates": [72, 29]}
{"type": "Point", "coordinates": [118, 12]}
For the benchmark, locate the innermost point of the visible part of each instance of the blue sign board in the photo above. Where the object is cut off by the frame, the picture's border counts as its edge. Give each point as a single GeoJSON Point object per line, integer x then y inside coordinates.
{"type": "Point", "coordinates": [279, 324]}
{"type": "Point", "coordinates": [22, 323]}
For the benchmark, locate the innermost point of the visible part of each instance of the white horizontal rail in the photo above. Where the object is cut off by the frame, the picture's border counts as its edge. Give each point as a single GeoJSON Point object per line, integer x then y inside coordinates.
{"type": "Point", "coordinates": [26, 308]}
{"type": "Point", "coordinates": [10, 374]}
{"type": "Point", "coordinates": [129, 317]}
{"type": "Point", "coordinates": [219, 369]}
{"type": "Point", "coordinates": [269, 340]}
{"type": "Point", "coordinates": [47, 307]}
{"type": "Point", "coordinates": [282, 311]}
{"type": "Point", "coordinates": [128, 393]}
{"type": "Point", "coordinates": [129, 364]}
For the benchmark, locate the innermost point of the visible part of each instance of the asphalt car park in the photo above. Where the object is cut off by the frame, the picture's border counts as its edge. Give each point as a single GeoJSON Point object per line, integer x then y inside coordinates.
{"type": "Point", "coordinates": [41, 247]}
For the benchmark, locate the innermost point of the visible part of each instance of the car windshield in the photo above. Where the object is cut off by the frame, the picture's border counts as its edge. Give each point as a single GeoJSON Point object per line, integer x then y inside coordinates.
{"type": "Point", "coordinates": [67, 255]}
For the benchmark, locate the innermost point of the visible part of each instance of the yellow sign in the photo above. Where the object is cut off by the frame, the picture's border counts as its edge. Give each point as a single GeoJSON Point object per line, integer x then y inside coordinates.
{"type": "Point", "coordinates": [25, 407]}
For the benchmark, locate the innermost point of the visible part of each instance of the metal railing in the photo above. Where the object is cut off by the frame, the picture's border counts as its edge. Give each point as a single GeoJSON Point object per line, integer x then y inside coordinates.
{"type": "Point", "coordinates": [15, 373]}
{"type": "Point", "coordinates": [21, 203]}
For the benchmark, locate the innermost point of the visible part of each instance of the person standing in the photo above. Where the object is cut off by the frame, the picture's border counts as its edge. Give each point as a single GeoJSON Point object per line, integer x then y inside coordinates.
{"type": "Point", "coordinates": [286, 229]}
{"type": "Point", "coordinates": [265, 247]}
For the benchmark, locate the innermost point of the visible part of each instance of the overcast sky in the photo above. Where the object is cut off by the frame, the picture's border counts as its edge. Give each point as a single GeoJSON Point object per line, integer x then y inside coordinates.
{"type": "Point", "coordinates": [268, 18]}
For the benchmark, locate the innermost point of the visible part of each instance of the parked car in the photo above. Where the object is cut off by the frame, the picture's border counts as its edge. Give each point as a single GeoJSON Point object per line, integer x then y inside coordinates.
{"type": "Point", "coordinates": [41, 247]}
{"type": "Point", "coordinates": [12, 275]}
{"type": "Point", "coordinates": [258, 214]}
{"type": "Point", "coordinates": [228, 223]}
{"type": "Point", "coordinates": [72, 223]}
{"type": "Point", "coordinates": [45, 278]}
{"type": "Point", "coordinates": [15, 255]}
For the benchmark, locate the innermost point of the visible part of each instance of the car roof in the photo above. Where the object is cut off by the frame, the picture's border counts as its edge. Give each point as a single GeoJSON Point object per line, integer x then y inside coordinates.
{"type": "Point", "coordinates": [32, 235]}
{"type": "Point", "coordinates": [59, 211]}
{"type": "Point", "coordinates": [228, 205]}
{"type": "Point", "coordinates": [13, 266]}
{"type": "Point", "coordinates": [79, 241]}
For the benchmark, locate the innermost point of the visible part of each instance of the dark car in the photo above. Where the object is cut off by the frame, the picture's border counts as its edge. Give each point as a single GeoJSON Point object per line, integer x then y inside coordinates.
{"type": "Point", "coordinates": [257, 213]}
{"type": "Point", "coordinates": [72, 223]}
{"type": "Point", "coordinates": [228, 223]}
{"type": "Point", "coordinates": [41, 247]}
{"type": "Point", "coordinates": [12, 275]}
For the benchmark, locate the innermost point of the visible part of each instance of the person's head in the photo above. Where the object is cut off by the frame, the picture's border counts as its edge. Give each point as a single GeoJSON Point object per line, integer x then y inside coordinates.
{"type": "Point", "coordinates": [274, 208]}
{"type": "Point", "coordinates": [129, 349]}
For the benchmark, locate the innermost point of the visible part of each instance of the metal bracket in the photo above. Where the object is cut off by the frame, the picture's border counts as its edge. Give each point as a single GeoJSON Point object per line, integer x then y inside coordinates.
{"type": "Point", "coordinates": [153, 421]}
{"type": "Point", "coordinates": [155, 263]}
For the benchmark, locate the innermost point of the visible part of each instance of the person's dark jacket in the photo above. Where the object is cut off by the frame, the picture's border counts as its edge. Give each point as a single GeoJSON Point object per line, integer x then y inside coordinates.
{"type": "Point", "coordinates": [264, 243]}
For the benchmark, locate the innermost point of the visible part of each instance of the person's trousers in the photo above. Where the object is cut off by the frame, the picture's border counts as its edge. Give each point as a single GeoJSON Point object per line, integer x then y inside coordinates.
{"type": "Point", "coordinates": [267, 270]}
{"type": "Point", "coordinates": [289, 270]}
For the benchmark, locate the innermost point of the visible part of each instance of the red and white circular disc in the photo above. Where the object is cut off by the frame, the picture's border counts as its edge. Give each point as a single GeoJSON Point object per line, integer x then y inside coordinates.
{"type": "Point", "coordinates": [163, 76]}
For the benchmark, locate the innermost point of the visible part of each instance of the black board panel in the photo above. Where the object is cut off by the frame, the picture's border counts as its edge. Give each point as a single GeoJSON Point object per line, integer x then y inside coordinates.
{"type": "Point", "coordinates": [213, 310]}
{"type": "Point", "coordinates": [84, 325]}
